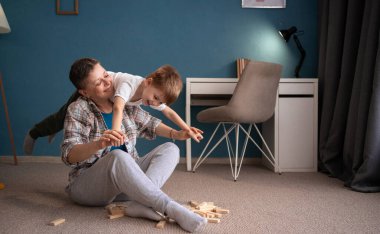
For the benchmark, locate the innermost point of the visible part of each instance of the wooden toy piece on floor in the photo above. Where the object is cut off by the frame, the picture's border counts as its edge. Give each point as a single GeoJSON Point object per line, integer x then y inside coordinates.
{"type": "Point", "coordinates": [57, 222]}
{"type": "Point", "coordinates": [194, 203]}
{"type": "Point", "coordinates": [115, 211]}
{"type": "Point", "coordinates": [161, 224]}
{"type": "Point", "coordinates": [208, 210]}
{"type": "Point", "coordinates": [221, 211]}
{"type": "Point", "coordinates": [213, 220]}
{"type": "Point", "coordinates": [116, 216]}
{"type": "Point", "coordinates": [211, 214]}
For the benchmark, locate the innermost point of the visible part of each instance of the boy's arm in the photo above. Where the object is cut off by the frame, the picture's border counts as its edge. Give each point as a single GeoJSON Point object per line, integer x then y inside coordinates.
{"type": "Point", "coordinates": [118, 107]}
{"type": "Point", "coordinates": [194, 133]}
{"type": "Point", "coordinates": [175, 118]}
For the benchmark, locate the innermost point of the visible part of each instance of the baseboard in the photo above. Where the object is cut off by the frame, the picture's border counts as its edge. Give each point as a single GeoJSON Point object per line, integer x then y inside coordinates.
{"type": "Point", "coordinates": [225, 160]}
{"type": "Point", "coordinates": [31, 159]}
{"type": "Point", "coordinates": [57, 159]}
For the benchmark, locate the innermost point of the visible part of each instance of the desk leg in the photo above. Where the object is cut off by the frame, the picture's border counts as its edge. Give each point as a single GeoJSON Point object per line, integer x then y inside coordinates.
{"type": "Point", "coordinates": [188, 155]}
{"type": "Point", "coordinates": [188, 121]}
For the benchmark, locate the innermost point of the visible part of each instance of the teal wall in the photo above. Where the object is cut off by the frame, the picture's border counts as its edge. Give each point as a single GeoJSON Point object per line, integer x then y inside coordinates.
{"type": "Point", "coordinates": [201, 38]}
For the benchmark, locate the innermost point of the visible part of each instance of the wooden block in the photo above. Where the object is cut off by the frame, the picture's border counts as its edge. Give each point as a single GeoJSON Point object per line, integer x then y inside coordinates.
{"type": "Point", "coordinates": [201, 205]}
{"type": "Point", "coordinates": [115, 216]}
{"type": "Point", "coordinates": [194, 203]}
{"type": "Point", "coordinates": [57, 222]}
{"type": "Point", "coordinates": [213, 220]}
{"type": "Point", "coordinates": [215, 215]}
{"type": "Point", "coordinates": [201, 213]}
{"type": "Point", "coordinates": [206, 208]}
{"type": "Point", "coordinates": [221, 211]}
{"type": "Point", "coordinates": [161, 224]}
{"type": "Point", "coordinates": [115, 210]}
{"type": "Point", "coordinates": [209, 215]}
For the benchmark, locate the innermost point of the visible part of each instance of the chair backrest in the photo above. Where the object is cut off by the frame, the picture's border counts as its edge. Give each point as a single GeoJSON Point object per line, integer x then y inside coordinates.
{"type": "Point", "coordinates": [254, 97]}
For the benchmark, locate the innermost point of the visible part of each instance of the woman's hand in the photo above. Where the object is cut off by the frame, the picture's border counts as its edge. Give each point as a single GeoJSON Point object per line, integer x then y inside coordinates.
{"type": "Point", "coordinates": [193, 132]}
{"type": "Point", "coordinates": [111, 138]}
{"type": "Point", "coordinates": [81, 152]}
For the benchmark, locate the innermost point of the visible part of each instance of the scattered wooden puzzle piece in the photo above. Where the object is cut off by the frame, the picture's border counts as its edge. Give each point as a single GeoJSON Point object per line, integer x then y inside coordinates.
{"type": "Point", "coordinates": [194, 203]}
{"type": "Point", "coordinates": [161, 224]}
{"type": "Point", "coordinates": [116, 216]}
{"type": "Point", "coordinates": [213, 220]}
{"type": "Point", "coordinates": [57, 222]}
{"type": "Point", "coordinates": [208, 210]}
{"type": "Point", "coordinates": [115, 211]}
{"type": "Point", "coordinates": [221, 211]}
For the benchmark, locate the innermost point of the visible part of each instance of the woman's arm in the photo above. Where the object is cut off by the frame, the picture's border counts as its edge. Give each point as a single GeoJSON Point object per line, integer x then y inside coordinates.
{"type": "Point", "coordinates": [81, 152]}
{"type": "Point", "coordinates": [79, 141]}
{"type": "Point", "coordinates": [168, 132]}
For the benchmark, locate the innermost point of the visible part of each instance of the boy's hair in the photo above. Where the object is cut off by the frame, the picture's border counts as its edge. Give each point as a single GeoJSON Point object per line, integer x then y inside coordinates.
{"type": "Point", "coordinates": [167, 79]}
{"type": "Point", "coordinates": [80, 70]}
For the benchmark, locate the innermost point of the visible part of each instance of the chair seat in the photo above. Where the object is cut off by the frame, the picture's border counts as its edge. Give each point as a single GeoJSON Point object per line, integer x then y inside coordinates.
{"type": "Point", "coordinates": [228, 113]}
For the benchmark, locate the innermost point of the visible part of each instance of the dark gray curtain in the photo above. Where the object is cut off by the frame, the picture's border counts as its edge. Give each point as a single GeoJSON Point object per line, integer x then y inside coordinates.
{"type": "Point", "coordinates": [349, 76]}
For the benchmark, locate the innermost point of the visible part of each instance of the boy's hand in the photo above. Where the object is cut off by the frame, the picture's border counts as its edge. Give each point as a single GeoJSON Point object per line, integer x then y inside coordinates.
{"type": "Point", "coordinates": [111, 138]}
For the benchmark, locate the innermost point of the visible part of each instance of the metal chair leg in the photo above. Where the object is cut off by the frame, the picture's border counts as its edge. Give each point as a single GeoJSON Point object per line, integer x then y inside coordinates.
{"type": "Point", "coordinates": [229, 149]}
{"type": "Point", "coordinates": [271, 158]}
{"type": "Point", "coordinates": [201, 157]}
{"type": "Point", "coordinates": [233, 154]}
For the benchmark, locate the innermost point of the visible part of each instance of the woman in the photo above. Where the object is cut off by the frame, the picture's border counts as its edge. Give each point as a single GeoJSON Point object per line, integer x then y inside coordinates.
{"type": "Point", "coordinates": [102, 174]}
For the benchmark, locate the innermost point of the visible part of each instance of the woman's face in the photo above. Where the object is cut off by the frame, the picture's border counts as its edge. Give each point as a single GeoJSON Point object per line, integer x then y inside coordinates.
{"type": "Point", "coordinates": [98, 85]}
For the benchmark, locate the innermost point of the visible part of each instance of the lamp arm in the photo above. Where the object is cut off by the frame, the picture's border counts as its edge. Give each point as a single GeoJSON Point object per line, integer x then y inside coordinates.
{"type": "Point", "coordinates": [303, 54]}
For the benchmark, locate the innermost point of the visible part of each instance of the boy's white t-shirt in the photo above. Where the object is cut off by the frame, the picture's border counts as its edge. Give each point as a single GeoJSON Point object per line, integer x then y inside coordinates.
{"type": "Point", "coordinates": [125, 87]}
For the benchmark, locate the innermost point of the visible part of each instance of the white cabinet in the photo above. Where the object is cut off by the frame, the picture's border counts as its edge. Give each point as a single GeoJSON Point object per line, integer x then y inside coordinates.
{"type": "Point", "coordinates": [292, 131]}
{"type": "Point", "coordinates": [295, 125]}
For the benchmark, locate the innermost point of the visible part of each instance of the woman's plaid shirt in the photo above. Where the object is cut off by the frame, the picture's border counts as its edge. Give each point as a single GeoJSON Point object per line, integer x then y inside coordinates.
{"type": "Point", "coordinates": [84, 123]}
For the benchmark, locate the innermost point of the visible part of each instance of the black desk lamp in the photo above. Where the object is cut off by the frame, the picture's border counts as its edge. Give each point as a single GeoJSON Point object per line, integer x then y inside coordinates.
{"type": "Point", "coordinates": [286, 34]}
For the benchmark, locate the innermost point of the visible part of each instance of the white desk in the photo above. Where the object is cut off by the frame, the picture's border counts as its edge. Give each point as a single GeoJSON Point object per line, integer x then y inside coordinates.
{"type": "Point", "coordinates": [291, 133]}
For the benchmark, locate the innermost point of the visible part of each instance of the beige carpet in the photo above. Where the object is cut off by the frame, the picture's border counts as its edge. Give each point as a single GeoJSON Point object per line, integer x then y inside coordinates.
{"type": "Point", "coordinates": [260, 202]}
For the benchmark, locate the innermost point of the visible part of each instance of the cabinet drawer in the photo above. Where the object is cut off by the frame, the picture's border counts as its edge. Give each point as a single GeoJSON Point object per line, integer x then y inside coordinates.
{"type": "Point", "coordinates": [212, 88]}
{"type": "Point", "coordinates": [296, 89]}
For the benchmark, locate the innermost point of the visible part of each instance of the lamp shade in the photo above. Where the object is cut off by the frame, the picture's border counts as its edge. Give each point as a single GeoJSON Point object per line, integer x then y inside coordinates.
{"type": "Point", "coordinates": [4, 26]}
{"type": "Point", "coordinates": [287, 33]}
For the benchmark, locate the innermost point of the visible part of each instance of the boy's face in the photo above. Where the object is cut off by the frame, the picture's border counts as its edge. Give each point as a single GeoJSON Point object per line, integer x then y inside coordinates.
{"type": "Point", "coordinates": [152, 96]}
{"type": "Point", "coordinates": [98, 84]}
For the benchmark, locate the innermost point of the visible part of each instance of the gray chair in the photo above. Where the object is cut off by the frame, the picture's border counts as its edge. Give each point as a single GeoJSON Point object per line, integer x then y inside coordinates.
{"type": "Point", "coordinates": [253, 101]}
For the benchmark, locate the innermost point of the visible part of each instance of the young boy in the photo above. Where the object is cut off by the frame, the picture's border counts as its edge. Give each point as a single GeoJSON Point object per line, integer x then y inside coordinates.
{"type": "Point", "coordinates": [158, 90]}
